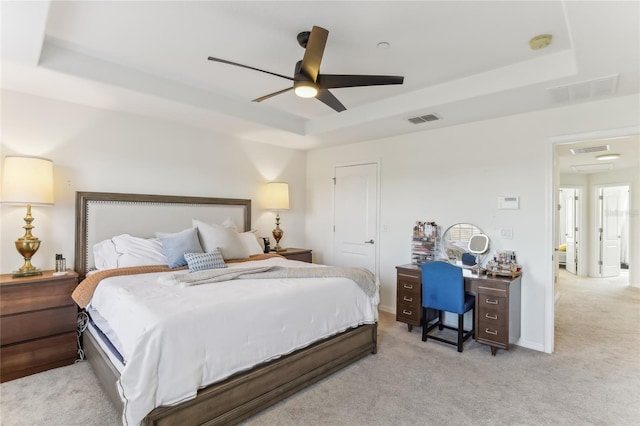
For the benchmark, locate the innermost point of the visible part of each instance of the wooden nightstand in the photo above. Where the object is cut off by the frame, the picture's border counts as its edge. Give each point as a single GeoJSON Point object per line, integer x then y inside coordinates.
{"type": "Point", "coordinates": [38, 321]}
{"type": "Point", "coordinates": [303, 255]}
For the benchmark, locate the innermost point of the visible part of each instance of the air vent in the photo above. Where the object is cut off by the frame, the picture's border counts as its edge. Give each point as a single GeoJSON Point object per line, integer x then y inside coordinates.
{"type": "Point", "coordinates": [589, 149]}
{"type": "Point", "coordinates": [424, 118]}
{"type": "Point", "coordinates": [585, 89]}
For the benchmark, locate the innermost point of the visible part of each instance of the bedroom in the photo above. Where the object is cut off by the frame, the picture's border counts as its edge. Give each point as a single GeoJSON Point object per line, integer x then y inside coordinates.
{"type": "Point", "coordinates": [150, 145]}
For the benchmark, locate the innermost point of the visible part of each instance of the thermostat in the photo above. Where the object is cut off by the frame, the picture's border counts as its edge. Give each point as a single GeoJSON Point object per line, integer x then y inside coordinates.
{"type": "Point", "coordinates": [508, 203]}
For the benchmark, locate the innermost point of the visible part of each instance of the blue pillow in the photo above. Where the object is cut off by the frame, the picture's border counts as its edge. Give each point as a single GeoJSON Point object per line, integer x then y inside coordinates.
{"type": "Point", "coordinates": [176, 245]}
{"type": "Point", "coordinates": [201, 261]}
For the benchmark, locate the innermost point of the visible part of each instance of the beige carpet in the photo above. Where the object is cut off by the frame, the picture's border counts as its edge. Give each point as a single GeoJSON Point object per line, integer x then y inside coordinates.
{"type": "Point", "coordinates": [593, 378]}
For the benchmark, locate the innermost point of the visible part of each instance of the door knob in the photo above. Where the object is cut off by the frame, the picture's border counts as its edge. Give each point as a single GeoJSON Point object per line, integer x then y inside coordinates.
{"type": "Point", "coordinates": [369, 242]}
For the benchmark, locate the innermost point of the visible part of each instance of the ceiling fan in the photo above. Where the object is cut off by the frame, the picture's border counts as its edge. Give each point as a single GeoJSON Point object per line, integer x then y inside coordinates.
{"type": "Point", "coordinates": [307, 80]}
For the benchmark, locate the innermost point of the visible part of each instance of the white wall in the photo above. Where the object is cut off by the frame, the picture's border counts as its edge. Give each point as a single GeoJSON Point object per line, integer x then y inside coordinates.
{"type": "Point", "coordinates": [98, 150]}
{"type": "Point", "coordinates": [455, 174]}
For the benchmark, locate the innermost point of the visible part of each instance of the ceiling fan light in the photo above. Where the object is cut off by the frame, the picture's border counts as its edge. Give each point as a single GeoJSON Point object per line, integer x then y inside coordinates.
{"type": "Point", "coordinates": [306, 89]}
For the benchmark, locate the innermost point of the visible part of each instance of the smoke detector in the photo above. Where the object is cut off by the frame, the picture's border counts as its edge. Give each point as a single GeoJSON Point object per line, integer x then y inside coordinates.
{"type": "Point", "coordinates": [540, 41]}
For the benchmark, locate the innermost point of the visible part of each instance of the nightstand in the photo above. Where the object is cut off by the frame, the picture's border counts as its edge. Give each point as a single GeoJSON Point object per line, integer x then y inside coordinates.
{"type": "Point", "coordinates": [303, 255]}
{"type": "Point", "coordinates": [38, 321]}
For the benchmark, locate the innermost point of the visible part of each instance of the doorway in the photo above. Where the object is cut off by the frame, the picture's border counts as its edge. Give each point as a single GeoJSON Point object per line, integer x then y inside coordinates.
{"type": "Point", "coordinates": [612, 229]}
{"type": "Point", "coordinates": [570, 169]}
{"type": "Point", "coordinates": [569, 229]}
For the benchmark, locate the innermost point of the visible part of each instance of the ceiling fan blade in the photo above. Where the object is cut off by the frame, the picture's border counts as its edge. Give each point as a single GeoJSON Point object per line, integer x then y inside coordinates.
{"type": "Point", "coordinates": [334, 81]}
{"type": "Point", "coordinates": [328, 99]}
{"type": "Point", "coordinates": [224, 61]}
{"type": "Point", "coordinates": [270, 95]}
{"type": "Point", "coordinates": [313, 52]}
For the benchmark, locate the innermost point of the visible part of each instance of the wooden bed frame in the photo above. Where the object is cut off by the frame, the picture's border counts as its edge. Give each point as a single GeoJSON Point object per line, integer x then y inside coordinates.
{"type": "Point", "coordinates": [241, 395]}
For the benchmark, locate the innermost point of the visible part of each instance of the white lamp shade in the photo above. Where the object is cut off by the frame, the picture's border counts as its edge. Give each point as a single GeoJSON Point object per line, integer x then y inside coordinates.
{"type": "Point", "coordinates": [277, 197]}
{"type": "Point", "coordinates": [27, 180]}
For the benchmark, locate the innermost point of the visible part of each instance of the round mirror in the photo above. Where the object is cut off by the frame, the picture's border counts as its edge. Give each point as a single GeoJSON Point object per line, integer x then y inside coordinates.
{"type": "Point", "coordinates": [455, 243]}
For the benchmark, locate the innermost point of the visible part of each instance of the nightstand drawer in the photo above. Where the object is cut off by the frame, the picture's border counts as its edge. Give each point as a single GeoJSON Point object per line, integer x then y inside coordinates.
{"type": "Point", "coordinates": [37, 355]}
{"type": "Point", "coordinates": [36, 295]}
{"type": "Point", "coordinates": [37, 324]}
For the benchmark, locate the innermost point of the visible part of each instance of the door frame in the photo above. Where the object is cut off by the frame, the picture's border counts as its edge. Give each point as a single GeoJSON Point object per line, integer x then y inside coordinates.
{"type": "Point", "coordinates": [376, 250]}
{"type": "Point", "coordinates": [552, 186]}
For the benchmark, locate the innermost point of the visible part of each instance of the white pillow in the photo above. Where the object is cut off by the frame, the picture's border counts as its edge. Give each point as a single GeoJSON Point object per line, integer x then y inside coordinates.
{"type": "Point", "coordinates": [251, 242]}
{"type": "Point", "coordinates": [105, 255]}
{"type": "Point", "coordinates": [136, 251]}
{"type": "Point", "coordinates": [217, 236]}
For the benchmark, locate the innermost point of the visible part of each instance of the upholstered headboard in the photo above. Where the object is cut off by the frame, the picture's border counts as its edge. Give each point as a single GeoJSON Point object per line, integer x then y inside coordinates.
{"type": "Point", "coordinates": [102, 215]}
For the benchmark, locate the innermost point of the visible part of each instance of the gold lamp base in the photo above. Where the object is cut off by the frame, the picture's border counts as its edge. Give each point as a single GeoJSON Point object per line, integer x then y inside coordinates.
{"type": "Point", "coordinates": [277, 234]}
{"type": "Point", "coordinates": [27, 246]}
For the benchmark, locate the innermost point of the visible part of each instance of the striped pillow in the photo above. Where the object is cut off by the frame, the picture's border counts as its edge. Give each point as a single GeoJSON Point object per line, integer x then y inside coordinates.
{"type": "Point", "coordinates": [202, 261]}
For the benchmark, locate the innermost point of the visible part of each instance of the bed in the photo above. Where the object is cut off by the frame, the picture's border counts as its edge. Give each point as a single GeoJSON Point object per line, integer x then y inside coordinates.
{"type": "Point", "coordinates": [221, 397]}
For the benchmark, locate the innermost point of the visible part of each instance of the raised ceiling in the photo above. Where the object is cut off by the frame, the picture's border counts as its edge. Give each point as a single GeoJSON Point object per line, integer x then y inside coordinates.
{"type": "Point", "coordinates": [463, 61]}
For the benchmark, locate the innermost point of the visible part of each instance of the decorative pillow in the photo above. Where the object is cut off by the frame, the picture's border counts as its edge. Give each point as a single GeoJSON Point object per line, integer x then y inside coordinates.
{"type": "Point", "coordinates": [202, 261]}
{"type": "Point", "coordinates": [105, 255]}
{"type": "Point", "coordinates": [136, 251]}
{"type": "Point", "coordinates": [217, 236]}
{"type": "Point", "coordinates": [251, 242]}
{"type": "Point", "coordinates": [177, 244]}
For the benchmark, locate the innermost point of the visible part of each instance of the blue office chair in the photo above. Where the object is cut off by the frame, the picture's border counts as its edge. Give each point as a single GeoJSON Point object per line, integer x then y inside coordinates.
{"type": "Point", "coordinates": [443, 290]}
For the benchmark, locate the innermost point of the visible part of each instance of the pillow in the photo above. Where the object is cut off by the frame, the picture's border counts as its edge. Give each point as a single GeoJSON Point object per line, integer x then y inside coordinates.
{"type": "Point", "coordinates": [136, 251]}
{"type": "Point", "coordinates": [214, 236]}
{"type": "Point", "coordinates": [201, 261]}
{"type": "Point", "coordinates": [251, 242]}
{"type": "Point", "coordinates": [105, 255]}
{"type": "Point", "coordinates": [177, 244]}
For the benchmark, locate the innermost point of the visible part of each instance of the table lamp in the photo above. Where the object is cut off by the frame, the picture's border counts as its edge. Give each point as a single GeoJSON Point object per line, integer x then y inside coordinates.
{"type": "Point", "coordinates": [277, 199]}
{"type": "Point", "coordinates": [27, 181]}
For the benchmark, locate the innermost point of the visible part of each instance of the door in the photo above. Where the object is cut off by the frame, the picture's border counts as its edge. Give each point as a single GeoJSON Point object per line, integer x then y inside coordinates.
{"type": "Point", "coordinates": [610, 231]}
{"type": "Point", "coordinates": [570, 230]}
{"type": "Point", "coordinates": [356, 216]}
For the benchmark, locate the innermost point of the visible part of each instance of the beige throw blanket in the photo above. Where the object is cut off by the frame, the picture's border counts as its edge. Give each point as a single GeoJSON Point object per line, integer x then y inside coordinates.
{"type": "Point", "coordinates": [362, 277]}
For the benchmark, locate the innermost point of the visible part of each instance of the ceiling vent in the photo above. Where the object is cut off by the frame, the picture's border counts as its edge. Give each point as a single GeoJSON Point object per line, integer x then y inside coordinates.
{"type": "Point", "coordinates": [585, 90]}
{"type": "Point", "coordinates": [589, 149]}
{"type": "Point", "coordinates": [424, 118]}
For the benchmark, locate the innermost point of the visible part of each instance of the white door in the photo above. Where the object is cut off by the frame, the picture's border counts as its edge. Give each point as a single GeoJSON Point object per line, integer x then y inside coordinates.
{"type": "Point", "coordinates": [570, 230]}
{"type": "Point", "coordinates": [609, 232]}
{"type": "Point", "coordinates": [355, 216]}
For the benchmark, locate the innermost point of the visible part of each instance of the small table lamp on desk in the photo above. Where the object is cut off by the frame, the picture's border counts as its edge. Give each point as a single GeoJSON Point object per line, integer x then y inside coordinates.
{"type": "Point", "coordinates": [277, 199]}
{"type": "Point", "coordinates": [27, 181]}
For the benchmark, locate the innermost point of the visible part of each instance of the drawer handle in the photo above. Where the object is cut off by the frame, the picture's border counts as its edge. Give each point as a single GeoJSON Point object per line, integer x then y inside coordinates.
{"type": "Point", "coordinates": [408, 285]}
{"type": "Point", "coordinates": [408, 299]}
{"type": "Point", "coordinates": [492, 301]}
{"type": "Point", "coordinates": [494, 317]}
{"type": "Point", "coordinates": [494, 332]}
{"type": "Point", "coordinates": [404, 311]}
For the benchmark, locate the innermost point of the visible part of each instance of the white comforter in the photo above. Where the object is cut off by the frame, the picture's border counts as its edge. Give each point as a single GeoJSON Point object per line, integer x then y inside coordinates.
{"type": "Point", "coordinates": [175, 340]}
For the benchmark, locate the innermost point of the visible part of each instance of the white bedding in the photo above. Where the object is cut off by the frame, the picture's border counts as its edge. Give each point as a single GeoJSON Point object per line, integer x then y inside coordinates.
{"type": "Point", "coordinates": [175, 340]}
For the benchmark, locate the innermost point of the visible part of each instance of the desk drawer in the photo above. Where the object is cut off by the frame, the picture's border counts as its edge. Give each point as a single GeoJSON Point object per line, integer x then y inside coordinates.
{"type": "Point", "coordinates": [409, 285]}
{"type": "Point", "coordinates": [409, 314]}
{"type": "Point", "coordinates": [493, 331]}
{"type": "Point", "coordinates": [492, 299]}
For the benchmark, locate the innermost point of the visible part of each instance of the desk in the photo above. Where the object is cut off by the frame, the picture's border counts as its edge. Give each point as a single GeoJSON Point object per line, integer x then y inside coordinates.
{"type": "Point", "coordinates": [497, 308]}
